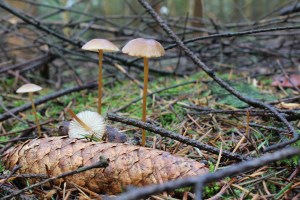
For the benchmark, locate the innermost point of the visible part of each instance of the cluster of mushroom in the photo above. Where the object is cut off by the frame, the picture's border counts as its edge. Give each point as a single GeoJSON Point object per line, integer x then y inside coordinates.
{"type": "Point", "coordinates": [91, 124]}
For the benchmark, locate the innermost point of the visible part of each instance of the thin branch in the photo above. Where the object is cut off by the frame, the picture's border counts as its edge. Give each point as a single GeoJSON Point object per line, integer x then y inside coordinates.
{"type": "Point", "coordinates": [10, 190]}
{"type": "Point", "coordinates": [175, 136]}
{"type": "Point", "coordinates": [41, 60]}
{"type": "Point", "coordinates": [44, 99]}
{"type": "Point", "coordinates": [35, 23]}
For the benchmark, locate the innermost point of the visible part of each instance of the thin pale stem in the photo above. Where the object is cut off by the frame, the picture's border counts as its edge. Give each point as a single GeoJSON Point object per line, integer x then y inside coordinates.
{"type": "Point", "coordinates": [145, 99]}
{"type": "Point", "coordinates": [35, 114]}
{"type": "Point", "coordinates": [86, 127]}
{"type": "Point", "coordinates": [100, 82]}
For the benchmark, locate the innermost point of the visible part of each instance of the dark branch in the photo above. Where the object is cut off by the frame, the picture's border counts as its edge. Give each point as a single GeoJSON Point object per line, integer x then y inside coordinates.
{"type": "Point", "coordinates": [47, 98]}
{"type": "Point", "coordinates": [175, 136]}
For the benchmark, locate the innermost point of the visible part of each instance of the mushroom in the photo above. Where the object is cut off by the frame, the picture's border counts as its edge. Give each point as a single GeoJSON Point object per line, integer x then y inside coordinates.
{"type": "Point", "coordinates": [87, 124]}
{"type": "Point", "coordinates": [100, 46]}
{"type": "Point", "coordinates": [145, 48]}
{"type": "Point", "coordinates": [31, 88]}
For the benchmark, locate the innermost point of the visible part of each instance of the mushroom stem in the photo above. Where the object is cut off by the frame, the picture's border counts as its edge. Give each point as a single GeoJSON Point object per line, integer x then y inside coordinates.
{"type": "Point", "coordinates": [35, 114]}
{"type": "Point", "coordinates": [100, 81]}
{"type": "Point", "coordinates": [86, 127]}
{"type": "Point", "coordinates": [145, 99]}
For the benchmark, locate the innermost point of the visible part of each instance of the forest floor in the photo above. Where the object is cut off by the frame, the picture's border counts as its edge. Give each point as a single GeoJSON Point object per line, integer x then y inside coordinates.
{"type": "Point", "coordinates": [212, 97]}
{"type": "Point", "coordinates": [191, 107]}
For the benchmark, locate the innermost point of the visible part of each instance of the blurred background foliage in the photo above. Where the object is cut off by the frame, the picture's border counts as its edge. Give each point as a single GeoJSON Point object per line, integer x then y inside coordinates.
{"type": "Point", "coordinates": [123, 13]}
{"type": "Point", "coordinates": [225, 11]}
{"type": "Point", "coordinates": [222, 11]}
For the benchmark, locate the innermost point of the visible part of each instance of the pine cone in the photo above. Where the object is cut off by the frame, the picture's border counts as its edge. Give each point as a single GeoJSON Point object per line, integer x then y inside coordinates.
{"type": "Point", "coordinates": [129, 165]}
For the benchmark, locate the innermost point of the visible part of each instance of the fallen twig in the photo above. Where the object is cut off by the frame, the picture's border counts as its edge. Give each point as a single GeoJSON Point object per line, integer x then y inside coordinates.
{"type": "Point", "coordinates": [44, 99]}
{"type": "Point", "coordinates": [175, 136]}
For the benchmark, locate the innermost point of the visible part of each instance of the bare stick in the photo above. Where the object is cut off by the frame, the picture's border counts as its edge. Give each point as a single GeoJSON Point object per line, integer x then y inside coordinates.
{"type": "Point", "coordinates": [175, 136]}
{"type": "Point", "coordinates": [47, 98]}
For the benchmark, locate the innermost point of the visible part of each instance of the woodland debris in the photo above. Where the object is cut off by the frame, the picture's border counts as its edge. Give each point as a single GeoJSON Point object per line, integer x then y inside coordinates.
{"type": "Point", "coordinates": [286, 82]}
{"type": "Point", "coordinates": [128, 165]}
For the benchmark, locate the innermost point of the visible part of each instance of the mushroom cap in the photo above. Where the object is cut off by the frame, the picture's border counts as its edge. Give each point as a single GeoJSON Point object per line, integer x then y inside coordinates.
{"type": "Point", "coordinates": [29, 87]}
{"type": "Point", "coordinates": [100, 44]}
{"type": "Point", "coordinates": [141, 47]}
{"type": "Point", "coordinates": [91, 119]}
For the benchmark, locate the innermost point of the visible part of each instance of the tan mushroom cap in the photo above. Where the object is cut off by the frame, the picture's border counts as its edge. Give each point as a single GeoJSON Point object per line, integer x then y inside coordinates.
{"type": "Point", "coordinates": [29, 87]}
{"type": "Point", "coordinates": [141, 47]}
{"type": "Point", "coordinates": [100, 44]}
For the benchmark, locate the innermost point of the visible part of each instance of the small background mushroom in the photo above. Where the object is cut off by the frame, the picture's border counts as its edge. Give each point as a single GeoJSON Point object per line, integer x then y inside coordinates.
{"type": "Point", "coordinates": [30, 89]}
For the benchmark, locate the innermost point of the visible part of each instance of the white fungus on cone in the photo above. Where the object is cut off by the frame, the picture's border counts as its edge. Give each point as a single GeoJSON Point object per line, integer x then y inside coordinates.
{"type": "Point", "coordinates": [93, 120]}
{"type": "Point", "coordinates": [141, 47]}
{"type": "Point", "coordinates": [100, 44]}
